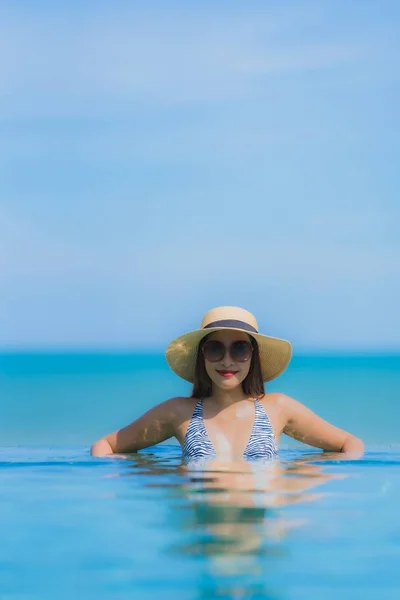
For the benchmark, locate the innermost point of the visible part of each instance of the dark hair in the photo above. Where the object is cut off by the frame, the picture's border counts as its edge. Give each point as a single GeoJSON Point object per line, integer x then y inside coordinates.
{"type": "Point", "coordinates": [253, 384]}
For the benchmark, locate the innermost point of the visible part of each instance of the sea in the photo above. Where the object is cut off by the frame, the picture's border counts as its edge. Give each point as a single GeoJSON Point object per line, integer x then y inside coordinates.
{"type": "Point", "coordinates": [307, 526]}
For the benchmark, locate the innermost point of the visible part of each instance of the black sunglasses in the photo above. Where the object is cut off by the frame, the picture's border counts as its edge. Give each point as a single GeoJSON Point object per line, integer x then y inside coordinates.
{"type": "Point", "coordinates": [240, 351]}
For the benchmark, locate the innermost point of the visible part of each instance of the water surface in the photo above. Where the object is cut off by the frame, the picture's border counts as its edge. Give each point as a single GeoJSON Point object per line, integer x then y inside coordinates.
{"type": "Point", "coordinates": [142, 526]}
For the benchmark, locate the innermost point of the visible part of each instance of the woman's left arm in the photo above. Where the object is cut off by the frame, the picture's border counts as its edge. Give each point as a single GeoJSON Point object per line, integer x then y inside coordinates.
{"type": "Point", "coordinates": [304, 425]}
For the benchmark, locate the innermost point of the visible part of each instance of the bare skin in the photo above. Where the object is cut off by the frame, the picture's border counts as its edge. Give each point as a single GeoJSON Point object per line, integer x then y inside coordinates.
{"type": "Point", "coordinates": [229, 417]}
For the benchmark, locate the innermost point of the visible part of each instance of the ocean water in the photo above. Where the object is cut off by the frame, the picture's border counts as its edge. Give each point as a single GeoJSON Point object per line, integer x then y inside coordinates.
{"type": "Point", "coordinates": [143, 526]}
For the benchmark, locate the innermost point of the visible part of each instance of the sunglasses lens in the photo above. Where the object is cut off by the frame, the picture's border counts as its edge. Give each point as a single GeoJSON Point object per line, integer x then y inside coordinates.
{"type": "Point", "coordinates": [214, 351]}
{"type": "Point", "coordinates": [241, 351]}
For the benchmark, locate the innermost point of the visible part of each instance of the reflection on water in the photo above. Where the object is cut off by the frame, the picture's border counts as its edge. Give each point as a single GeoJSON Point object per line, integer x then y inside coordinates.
{"type": "Point", "coordinates": [231, 514]}
{"type": "Point", "coordinates": [146, 525]}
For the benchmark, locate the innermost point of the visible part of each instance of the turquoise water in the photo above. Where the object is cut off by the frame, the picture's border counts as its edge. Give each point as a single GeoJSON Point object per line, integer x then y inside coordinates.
{"type": "Point", "coordinates": [74, 398]}
{"type": "Point", "coordinates": [142, 526]}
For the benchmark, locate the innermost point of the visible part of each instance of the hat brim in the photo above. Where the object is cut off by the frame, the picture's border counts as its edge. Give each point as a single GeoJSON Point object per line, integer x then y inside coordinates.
{"type": "Point", "coordinates": [181, 353]}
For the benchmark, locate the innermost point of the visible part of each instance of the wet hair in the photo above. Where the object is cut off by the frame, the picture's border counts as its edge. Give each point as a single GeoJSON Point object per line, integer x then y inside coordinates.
{"type": "Point", "coordinates": [252, 385]}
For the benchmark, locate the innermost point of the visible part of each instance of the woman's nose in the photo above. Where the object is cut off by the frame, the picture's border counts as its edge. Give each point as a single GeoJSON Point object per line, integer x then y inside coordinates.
{"type": "Point", "coordinates": [227, 359]}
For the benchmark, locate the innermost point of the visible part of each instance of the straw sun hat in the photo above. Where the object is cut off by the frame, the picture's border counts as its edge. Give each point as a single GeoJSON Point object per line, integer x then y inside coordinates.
{"type": "Point", "coordinates": [275, 353]}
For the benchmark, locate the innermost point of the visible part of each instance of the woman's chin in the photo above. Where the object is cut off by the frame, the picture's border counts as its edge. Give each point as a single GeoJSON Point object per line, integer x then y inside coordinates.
{"type": "Point", "coordinates": [228, 383]}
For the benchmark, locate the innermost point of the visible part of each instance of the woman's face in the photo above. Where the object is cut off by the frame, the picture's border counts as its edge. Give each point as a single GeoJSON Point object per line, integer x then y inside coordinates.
{"type": "Point", "coordinates": [227, 373]}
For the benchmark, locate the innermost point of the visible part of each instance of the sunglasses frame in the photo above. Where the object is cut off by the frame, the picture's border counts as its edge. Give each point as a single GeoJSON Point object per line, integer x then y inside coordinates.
{"type": "Point", "coordinates": [248, 344]}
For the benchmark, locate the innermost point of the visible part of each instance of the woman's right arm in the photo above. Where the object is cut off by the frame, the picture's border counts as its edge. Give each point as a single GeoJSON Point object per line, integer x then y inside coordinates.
{"type": "Point", "coordinates": [155, 426]}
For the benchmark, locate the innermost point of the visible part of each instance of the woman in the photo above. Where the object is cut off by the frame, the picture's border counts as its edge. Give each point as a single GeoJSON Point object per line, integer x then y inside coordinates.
{"type": "Point", "coordinates": [229, 415]}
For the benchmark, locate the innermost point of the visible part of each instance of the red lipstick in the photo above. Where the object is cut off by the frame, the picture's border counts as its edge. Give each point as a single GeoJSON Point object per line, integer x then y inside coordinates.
{"type": "Point", "coordinates": [227, 374]}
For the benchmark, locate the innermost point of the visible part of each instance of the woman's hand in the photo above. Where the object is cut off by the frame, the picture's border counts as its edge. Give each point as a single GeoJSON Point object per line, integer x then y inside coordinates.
{"type": "Point", "coordinates": [353, 446]}
{"type": "Point", "coordinates": [101, 448]}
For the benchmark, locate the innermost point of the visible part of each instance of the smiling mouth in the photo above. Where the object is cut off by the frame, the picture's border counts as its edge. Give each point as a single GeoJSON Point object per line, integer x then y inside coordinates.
{"type": "Point", "coordinates": [226, 373]}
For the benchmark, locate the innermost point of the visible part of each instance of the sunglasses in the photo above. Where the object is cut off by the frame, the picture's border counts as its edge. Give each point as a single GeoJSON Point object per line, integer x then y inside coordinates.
{"type": "Point", "coordinates": [240, 351]}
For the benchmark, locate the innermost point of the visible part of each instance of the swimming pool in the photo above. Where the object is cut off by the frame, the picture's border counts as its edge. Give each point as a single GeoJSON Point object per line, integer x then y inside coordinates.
{"type": "Point", "coordinates": [73, 526]}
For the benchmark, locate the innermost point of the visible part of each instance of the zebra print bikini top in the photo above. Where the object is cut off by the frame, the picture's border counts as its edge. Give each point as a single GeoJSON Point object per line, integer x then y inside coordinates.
{"type": "Point", "coordinates": [261, 445]}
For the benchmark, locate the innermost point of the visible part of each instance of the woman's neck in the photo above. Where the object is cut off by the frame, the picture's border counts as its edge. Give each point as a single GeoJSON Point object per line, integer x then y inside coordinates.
{"type": "Point", "coordinates": [228, 397]}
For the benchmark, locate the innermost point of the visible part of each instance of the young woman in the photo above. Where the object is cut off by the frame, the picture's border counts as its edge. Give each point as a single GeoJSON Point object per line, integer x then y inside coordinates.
{"type": "Point", "coordinates": [229, 415]}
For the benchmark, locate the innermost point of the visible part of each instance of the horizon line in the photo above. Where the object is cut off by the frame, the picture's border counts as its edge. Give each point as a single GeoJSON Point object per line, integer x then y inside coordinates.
{"type": "Point", "coordinates": [303, 351]}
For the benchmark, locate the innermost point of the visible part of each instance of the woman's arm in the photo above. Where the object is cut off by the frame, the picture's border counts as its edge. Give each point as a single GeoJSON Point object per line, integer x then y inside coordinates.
{"type": "Point", "coordinates": [156, 425]}
{"type": "Point", "coordinates": [304, 425]}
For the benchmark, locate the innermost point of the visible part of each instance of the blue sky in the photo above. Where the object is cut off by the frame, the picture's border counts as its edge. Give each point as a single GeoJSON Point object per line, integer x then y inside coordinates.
{"type": "Point", "coordinates": [161, 158]}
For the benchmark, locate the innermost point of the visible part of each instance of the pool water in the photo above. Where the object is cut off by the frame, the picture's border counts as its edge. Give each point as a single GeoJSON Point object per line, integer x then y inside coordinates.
{"type": "Point", "coordinates": [145, 526]}
{"type": "Point", "coordinates": [142, 526]}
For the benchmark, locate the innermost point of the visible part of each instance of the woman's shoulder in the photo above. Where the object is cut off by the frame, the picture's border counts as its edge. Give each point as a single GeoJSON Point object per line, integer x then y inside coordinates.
{"type": "Point", "coordinates": [273, 398]}
{"type": "Point", "coordinates": [181, 400]}
{"type": "Point", "coordinates": [179, 406]}
{"type": "Point", "coordinates": [275, 401]}
{"type": "Point", "coordinates": [281, 404]}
